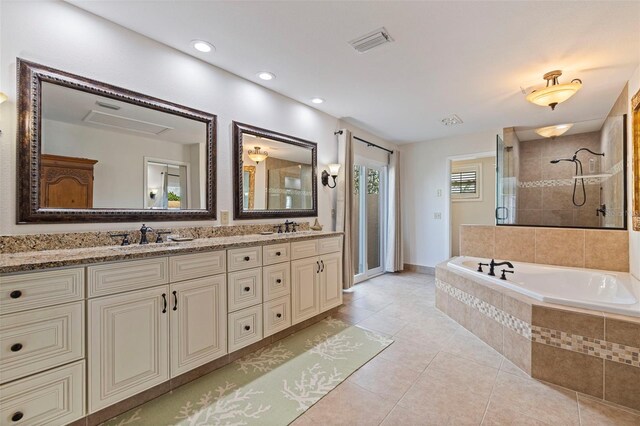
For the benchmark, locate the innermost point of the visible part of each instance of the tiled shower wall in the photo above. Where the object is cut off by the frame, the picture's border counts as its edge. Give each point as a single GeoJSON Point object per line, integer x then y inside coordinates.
{"type": "Point", "coordinates": [584, 248]}
{"type": "Point", "coordinates": [545, 190]}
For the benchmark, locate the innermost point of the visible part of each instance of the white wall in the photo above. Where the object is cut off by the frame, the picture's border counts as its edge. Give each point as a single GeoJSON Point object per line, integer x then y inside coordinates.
{"type": "Point", "coordinates": [64, 37]}
{"type": "Point", "coordinates": [425, 170]}
{"type": "Point", "coordinates": [474, 211]}
{"type": "Point", "coordinates": [634, 236]}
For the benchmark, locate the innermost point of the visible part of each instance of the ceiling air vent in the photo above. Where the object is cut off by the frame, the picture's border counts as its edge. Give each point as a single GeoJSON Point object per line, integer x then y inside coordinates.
{"type": "Point", "coordinates": [369, 41]}
{"type": "Point", "coordinates": [451, 121]}
{"type": "Point", "coordinates": [124, 123]}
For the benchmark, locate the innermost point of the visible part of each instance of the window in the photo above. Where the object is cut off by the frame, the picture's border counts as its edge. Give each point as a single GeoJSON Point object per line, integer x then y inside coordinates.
{"type": "Point", "coordinates": [466, 182]}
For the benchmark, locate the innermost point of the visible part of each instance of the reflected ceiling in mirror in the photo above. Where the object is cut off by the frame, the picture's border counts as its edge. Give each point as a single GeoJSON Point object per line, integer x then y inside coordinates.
{"type": "Point", "coordinates": [102, 153]}
{"type": "Point", "coordinates": [275, 174]}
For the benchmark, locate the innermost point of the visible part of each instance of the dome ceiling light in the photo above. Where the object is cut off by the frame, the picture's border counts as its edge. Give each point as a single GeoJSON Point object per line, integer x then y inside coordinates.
{"type": "Point", "coordinates": [555, 92]}
{"type": "Point", "coordinates": [257, 155]}
{"type": "Point", "coordinates": [553, 131]}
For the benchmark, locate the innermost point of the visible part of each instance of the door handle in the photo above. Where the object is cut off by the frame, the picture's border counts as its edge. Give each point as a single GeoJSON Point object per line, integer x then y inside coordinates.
{"type": "Point", "coordinates": [322, 263]}
{"type": "Point", "coordinates": [503, 209]}
{"type": "Point", "coordinates": [175, 300]}
{"type": "Point", "coordinates": [164, 303]}
{"type": "Point", "coordinates": [318, 263]}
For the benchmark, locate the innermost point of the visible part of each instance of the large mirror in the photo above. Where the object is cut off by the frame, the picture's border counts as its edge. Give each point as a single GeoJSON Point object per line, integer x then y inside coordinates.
{"type": "Point", "coordinates": [569, 174]}
{"type": "Point", "coordinates": [89, 151]}
{"type": "Point", "coordinates": [275, 174]}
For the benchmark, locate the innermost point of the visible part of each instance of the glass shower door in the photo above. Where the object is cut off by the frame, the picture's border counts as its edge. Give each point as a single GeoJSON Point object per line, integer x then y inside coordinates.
{"type": "Point", "coordinates": [505, 183]}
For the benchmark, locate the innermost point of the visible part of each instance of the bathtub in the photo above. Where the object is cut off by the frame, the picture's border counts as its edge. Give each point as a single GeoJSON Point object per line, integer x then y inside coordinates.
{"type": "Point", "coordinates": [605, 291]}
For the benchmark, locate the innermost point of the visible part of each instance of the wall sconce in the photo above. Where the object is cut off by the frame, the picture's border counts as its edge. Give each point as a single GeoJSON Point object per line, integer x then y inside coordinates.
{"type": "Point", "coordinates": [3, 98]}
{"type": "Point", "coordinates": [333, 172]}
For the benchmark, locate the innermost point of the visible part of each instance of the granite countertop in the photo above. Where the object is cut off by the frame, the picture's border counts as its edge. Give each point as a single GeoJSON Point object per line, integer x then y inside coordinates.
{"type": "Point", "coordinates": [36, 260]}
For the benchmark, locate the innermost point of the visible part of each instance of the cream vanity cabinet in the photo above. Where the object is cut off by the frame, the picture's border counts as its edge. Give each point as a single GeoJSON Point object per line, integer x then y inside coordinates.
{"type": "Point", "coordinates": [316, 277]}
{"type": "Point", "coordinates": [142, 338]}
{"type": "Point", "coordinates": [42, 347]}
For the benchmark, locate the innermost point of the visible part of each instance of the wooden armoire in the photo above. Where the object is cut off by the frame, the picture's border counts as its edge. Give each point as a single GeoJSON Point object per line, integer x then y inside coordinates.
{"type": "Point", "coordinates": [66, 182]}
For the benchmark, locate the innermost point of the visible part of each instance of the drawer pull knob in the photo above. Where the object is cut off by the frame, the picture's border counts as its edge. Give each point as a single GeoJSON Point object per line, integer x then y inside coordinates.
{"type": "Point", "coordinates": [15, 294]}
{"type": "Point", "coordinates": [279, 315]}
{"type": "Point", "coordinates": [278, 253]}
{"type": "Point", "coordinates": [247, 258]}
{"type": "Point", "coordinates": [17, 416]}
{"type": "Point", "coordinates": [278, 281]}
{"type": "Point", "coordinates": [247, 288]}
{"type": "Point", "coordinates": [16, 347]}
{"type": "Point", "coordinates": [247, 327]}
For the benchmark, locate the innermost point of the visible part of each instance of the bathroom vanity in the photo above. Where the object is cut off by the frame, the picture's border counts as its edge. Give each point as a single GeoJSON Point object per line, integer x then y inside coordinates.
{"type": "Point", "coordinates": [83, 330]}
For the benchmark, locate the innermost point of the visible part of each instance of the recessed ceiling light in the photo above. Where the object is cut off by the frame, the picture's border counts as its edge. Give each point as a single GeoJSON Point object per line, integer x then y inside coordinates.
{"type": "Point", "coordinates": [202, 46]}
{"type": "Point", "coordinates": [317, 100]}
{"type": "Point", "coordinates": [266, 75]}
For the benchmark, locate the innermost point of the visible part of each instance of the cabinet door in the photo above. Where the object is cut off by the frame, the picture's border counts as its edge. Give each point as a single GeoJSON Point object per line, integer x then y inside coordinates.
{"type": "Point", "coordinates": [128, 345]}
{"type": "Point", "coordinates": [198, 322]}
{"type": "Point", "coordinates": [305, 295]}
{"type": "Point", "coordinates": [330, 281]}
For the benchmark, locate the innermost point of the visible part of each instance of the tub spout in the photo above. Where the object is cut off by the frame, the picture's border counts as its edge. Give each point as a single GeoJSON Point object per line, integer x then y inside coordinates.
{"type": "Point", "coordinates": [493, 264]}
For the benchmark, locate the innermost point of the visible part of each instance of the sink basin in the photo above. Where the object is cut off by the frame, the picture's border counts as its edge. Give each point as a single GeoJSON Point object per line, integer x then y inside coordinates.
{"type": "Point", "coordinates": [145, 247]}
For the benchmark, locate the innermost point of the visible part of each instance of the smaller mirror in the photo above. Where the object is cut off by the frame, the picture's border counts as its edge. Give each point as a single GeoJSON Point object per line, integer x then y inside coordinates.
{"type": "Point", "coordinates": [275, 174]}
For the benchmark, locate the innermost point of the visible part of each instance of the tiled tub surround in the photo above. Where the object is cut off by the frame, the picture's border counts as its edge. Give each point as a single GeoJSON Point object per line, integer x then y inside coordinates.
{"type": "Point", "coordinates": [587, 351]}
{"type": "Point", "coordinates": [33, 260]}
{"type": "Point", "coordinates": [71, 240]}
{"type": "Point", "coordinates": [581, 248]}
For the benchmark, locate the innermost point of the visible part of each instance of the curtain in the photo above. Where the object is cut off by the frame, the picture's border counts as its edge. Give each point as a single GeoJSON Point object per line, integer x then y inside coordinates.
{"type": "Point", "coordinates": [344, 217]}
{"type": "Point", "coordinates": [393, 261]}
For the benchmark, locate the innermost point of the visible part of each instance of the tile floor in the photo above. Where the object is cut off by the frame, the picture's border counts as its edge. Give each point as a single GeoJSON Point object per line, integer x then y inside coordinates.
{"type": "Point", "coordinates": [438, 373]}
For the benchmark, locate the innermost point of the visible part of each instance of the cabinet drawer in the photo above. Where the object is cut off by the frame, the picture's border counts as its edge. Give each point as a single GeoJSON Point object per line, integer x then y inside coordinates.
{"type": "Point", "coordinates": [190, 266]}
{"type": "Point", "coordinates": [276, 253]}
{"type": "Point", "coordinates": [123, 276]}
{"type": "Point", "coordinates": [276, 281]}
{"type": "Point", "coordinates": [55, 397]}
{"type": "Point", "coordinates": [243, 258]}
{"type": "Point", "coordinates": [39, 289]}
{"type": "Point", "coordinates": [245, 327]}
{"type": "Point", "coordinates": [277, 315]}
{"type": "Point", "coordinates": [300, 249]}
{"type": "Point", "coordinates": [44, 338]}
{"type": "Point", "coordinates": [329, 245]}
{"type": "Point", "coordinates": [245, 289]}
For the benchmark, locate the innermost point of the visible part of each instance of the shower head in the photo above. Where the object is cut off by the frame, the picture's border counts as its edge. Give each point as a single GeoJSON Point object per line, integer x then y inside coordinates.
{"type": "Point", "coordinates": [561, 159]}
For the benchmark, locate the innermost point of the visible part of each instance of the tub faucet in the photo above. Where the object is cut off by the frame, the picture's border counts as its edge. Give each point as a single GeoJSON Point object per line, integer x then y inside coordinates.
{"type": "Point", "coordinates": [493, 264]}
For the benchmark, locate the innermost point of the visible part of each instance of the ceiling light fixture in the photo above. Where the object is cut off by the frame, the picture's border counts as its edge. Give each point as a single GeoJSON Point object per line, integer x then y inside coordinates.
{"type": "Point", "coordinates": [266, 75]}
{"type": "Point", "coordinates": [202, 46]}
{"type": "Point", "coordinates": [554, 131]}
{"type": "Point", "coordinates": [257, 155]}
{"type": "Point", "coordinates": [555, 92]}
{"type": "Point", "coordinates": [317, 100]}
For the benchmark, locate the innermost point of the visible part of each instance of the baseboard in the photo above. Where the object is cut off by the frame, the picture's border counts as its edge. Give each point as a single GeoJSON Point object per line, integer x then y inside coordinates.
{"type": "Point", "coordinates": [428, 270]}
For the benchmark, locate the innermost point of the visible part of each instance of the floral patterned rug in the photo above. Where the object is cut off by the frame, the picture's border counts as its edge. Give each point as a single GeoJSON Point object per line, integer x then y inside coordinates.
{"type": "Point", "coordinates": [271, 386]}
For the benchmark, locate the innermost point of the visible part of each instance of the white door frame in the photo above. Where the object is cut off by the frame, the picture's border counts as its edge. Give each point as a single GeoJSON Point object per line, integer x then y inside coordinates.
{"type": "Point", "coordinates": [447, 194]}
{"type": "Point", "coordinates": [383, 169]}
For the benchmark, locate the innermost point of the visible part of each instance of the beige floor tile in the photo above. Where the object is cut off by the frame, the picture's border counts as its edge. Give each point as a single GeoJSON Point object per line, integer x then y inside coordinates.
{"type": "Point", "coordinates": [403, 416]}
{"type": "Point", "coordinates": [596, 413]}
{"type": "Point", "coordinates": [413, 355]}
{"type": "Point", "coordinates": [541, 401]}
{"type": "Point", "coordinates": [385, 378]}
{"type": "Point", "coordinates": [505, 416]}
{"type": "Point", "coordinates": [466, 345]}
{"type": "Point", "coordinates": [452, 390]}
{"type": "Point", "coordinates": [353, 314]}
{"type": "Point", "coordinates": [383, 323]}
{"type": "Point", "coordinates": [509, 367]}
{"type": "Point", "coordinates": [347, 404]}
{"type": "Point", "coordinates": [432, 330]}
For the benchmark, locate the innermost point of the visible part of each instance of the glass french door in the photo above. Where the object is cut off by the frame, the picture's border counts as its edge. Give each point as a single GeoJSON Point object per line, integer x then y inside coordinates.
{"type": "Point", "coordinates": [369, 190]}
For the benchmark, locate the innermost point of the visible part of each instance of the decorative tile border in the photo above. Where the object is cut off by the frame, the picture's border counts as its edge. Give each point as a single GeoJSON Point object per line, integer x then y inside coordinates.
{"type": "Point", "coordinates": [603, 349]}
{"type": "Point", "coordinates": [519, 326]}
{"type": "Point", "coordinates": [587, 345]}
{"type": "Point", "coordinates": [614, 170]}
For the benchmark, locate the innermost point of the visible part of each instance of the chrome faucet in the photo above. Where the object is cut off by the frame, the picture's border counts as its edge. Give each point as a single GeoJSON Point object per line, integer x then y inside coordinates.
{"type": "Point", "coordinates": [493, 264]}
{"type": "Point", "coordinates": [143, 233]}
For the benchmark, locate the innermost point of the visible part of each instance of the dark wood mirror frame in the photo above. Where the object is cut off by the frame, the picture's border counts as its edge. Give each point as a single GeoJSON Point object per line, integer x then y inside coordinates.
{"type": "Point", "coordinates": [30, 79]}
{"type": "Point", "coordinates": [238, 212]}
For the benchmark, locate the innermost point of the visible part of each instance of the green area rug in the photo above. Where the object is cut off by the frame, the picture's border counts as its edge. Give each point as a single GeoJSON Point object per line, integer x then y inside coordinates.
{"type": "Point", "coordinates": [271, 386]}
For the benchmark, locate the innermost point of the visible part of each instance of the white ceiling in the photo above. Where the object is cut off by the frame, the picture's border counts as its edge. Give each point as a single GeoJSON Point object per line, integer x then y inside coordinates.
{"type": "Point", "coordinates": [60, 103]}
{"type": "Point", "coordinates": [467, 58]}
